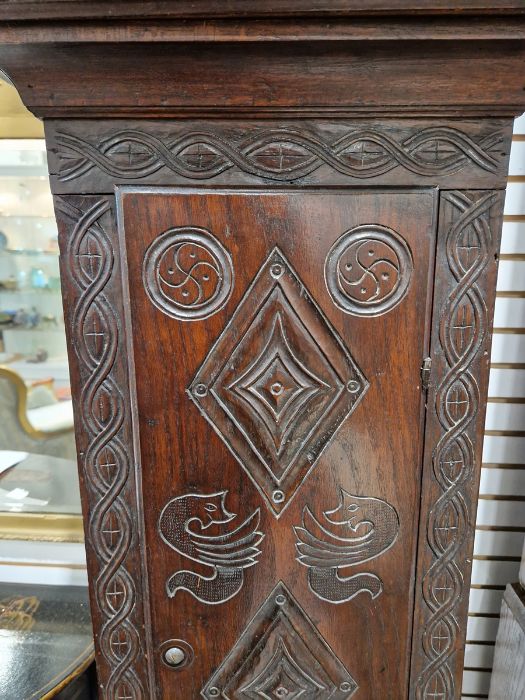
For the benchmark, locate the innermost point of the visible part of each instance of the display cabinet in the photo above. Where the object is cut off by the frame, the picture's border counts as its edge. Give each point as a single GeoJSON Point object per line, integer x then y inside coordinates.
{"type": "Point", "coordinates": [31, 317]}
{"type": "Point", "coordinates": [279, 228]}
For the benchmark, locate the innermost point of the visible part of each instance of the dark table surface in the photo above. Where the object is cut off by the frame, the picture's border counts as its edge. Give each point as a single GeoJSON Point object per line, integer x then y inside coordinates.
{"type": "Point", "coordinates": [46, 642]}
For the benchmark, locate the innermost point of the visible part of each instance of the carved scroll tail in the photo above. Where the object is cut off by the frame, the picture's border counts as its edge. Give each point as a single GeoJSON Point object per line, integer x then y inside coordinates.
{"type": "Point", "coordinates": [330, 586]}
{"type": "Point", "coordinates": [223, 585]}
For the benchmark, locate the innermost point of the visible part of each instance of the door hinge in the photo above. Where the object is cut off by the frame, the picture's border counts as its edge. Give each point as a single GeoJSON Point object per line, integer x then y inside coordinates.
{"type": "Point", "coordinates": [426, 368]}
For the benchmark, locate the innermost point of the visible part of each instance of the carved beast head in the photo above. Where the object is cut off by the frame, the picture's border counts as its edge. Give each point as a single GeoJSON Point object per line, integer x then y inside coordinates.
{"type": "Point", "coordinates": [354, 512]}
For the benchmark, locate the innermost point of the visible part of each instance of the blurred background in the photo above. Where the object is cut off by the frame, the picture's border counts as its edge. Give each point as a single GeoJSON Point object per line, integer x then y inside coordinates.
{"type": "Point", "coordinates": [46, 643]}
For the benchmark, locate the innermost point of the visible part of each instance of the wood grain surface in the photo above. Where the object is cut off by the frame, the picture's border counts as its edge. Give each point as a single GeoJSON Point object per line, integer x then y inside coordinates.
{"type": "Point", "coordinates": [369, 456]}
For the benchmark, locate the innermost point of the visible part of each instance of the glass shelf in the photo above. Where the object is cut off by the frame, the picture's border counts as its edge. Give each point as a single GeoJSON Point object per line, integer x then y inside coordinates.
{"type": "Point", "coordinates": [30, 289]}
{"type": "Point", "coordinates": [31, 253]}
{"type": "Point", "coordinates": [39, 497]}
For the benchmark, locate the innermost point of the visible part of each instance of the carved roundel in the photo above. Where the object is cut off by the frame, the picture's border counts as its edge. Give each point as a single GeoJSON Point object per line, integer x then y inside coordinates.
{"type": "Point", "coordinates": [368, 270]}
{"type": "Point", "coordinates": [187, 273]}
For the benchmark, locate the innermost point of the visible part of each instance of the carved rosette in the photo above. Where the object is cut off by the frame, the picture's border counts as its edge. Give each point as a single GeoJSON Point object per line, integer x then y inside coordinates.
{"type": "Point", "coordinates": [105, 462]}
{"type": "Point", "coordinates": [368, 269]}
{"type": "Point", "coordinates": [463, 329]}
{"type": "Point", "coordinates": [187, 273]}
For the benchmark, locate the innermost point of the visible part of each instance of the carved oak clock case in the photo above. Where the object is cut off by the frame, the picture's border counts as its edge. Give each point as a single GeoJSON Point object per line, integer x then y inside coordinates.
{"type": "Point", "coordinates": [278, 285]}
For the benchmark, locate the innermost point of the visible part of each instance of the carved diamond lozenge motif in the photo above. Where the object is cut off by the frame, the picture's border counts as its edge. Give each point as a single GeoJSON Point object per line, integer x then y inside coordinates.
{"type": "Point", "coordinates": [278, 383]}
{"type": "Point", "coordinates": [278, 386]}
{"type": "Point", "coordinates": [282, 678]}
{"type": "Point", "coordinates": [280, 656]}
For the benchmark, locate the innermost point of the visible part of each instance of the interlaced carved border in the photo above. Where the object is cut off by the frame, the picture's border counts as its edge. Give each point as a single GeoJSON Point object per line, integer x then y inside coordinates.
{"type": "Point", "coordinates": [105, 461]}
{"type": "Point", "coordinates": [463, 327]}
{"type": "Point", "coordinates": [278, 154]}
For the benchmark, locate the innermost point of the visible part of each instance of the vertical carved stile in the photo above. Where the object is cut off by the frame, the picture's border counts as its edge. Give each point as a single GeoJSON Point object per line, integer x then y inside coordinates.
{"type": "Point", "coordinates": [468, 241]}
{"type": "Point", "coordinates": [104, 442]}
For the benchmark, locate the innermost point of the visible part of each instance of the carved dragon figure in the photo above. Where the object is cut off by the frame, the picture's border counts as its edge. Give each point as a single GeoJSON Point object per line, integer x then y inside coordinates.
{"type": "Point", "coordinates": [358, 530]}
{"type": "Point", "coordinates": [183, 524]}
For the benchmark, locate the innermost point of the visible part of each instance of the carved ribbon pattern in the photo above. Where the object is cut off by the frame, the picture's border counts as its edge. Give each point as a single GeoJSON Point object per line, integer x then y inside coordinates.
{"type": "Point", "coordinates": [279, 154]}
{"type": "Point", "coordinates": [463, 326]}
{"type": "Point", "coordinates": [105, 462]}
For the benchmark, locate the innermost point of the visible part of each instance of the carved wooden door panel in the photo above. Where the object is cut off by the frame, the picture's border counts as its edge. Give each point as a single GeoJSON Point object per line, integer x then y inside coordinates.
{"type": "Point", "coordinates": [277, 339]}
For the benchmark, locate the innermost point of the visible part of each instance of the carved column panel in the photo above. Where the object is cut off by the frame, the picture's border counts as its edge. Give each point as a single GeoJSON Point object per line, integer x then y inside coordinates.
{"type": "Point", "coordinates": [251, 411]}
{"type": "Point", "coordinates": [466, 268]}
{"type": "Point", "coordinates": [90, 269]}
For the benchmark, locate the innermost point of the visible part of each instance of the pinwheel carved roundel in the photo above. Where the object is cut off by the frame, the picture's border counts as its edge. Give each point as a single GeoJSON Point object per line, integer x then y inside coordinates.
{"type": "Point", "coordinates": [368, 270]}
{"type": "Point", "coordinates": [187, 273]}
{"type": "Point", "coordinates": [278, 383]}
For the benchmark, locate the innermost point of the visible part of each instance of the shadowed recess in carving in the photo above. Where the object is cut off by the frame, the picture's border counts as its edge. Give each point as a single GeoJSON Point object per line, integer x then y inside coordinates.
{"type": "Point", "coordinates": [280, 154]}
{"type": "Point", "coordinates": [278, 383]}
{"type": "Point", "coordinates": [280, 656]}
{"type": "Point", "coordinates": [195, 525]}
{"type": "Point", "coordinates": [358, 530]}
{"type": "Point", "coordinates": [187, 273]}
{"type": "Point", "coordinates": [368, 270]}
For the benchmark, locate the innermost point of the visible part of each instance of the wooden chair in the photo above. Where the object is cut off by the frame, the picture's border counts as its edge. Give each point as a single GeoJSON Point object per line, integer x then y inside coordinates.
{"type": "Point", "coordinates": [44, 430]}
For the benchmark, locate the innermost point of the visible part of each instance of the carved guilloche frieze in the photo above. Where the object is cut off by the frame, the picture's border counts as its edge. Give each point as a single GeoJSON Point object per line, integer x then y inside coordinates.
{"type": "Point", "coordinates": [315, 151]}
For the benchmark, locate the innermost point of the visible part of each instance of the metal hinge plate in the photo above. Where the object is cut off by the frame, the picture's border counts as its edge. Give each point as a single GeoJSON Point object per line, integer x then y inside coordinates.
{"type": "Point", "coordinates": [426, 368]}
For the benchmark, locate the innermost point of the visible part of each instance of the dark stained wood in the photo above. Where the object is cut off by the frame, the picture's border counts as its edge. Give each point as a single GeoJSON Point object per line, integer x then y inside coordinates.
{"type": "Point", "coordinates": [353, 28]}
{"type": "Point", "coordinates": [352, 78]}
{"type": "Point", "coordinates": [51, 9]}
{"type": "Point", "coordinates": [111, 502]}
{"type": "Point", "coordinates": [464, 296]}
{"type": "Point", "coordinates": [365, 462]}
{"type": "Point", "coordinates": [87, 156]}
{"type": "Point", "coordinates": [258, 141]}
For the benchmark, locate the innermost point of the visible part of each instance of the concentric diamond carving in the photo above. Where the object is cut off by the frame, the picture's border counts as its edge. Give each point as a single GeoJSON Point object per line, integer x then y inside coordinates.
{"type": "Point", "coordinates": [278, 383]}
{"type": "Point", "coordinates": [280, 656]}
{"type": "Point", "coordinates": [277, 386]}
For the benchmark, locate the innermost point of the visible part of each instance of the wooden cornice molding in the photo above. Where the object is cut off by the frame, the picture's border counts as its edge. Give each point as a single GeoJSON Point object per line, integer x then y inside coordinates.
{"type": "Point", "coordinates": [264, 29]}
{"type": "Point", "coordinates": [28, 10]}
{"type": "Point", "coordinates": [296, 79]}
{"type": "Point", "coordinates": [285, 58]}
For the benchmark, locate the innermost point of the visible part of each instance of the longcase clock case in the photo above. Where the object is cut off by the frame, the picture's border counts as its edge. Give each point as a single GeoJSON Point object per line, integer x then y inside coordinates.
{"type": "Point", "coordinates": [255, 362]}
{"type": "Point", "coordinates": [278, 251]}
